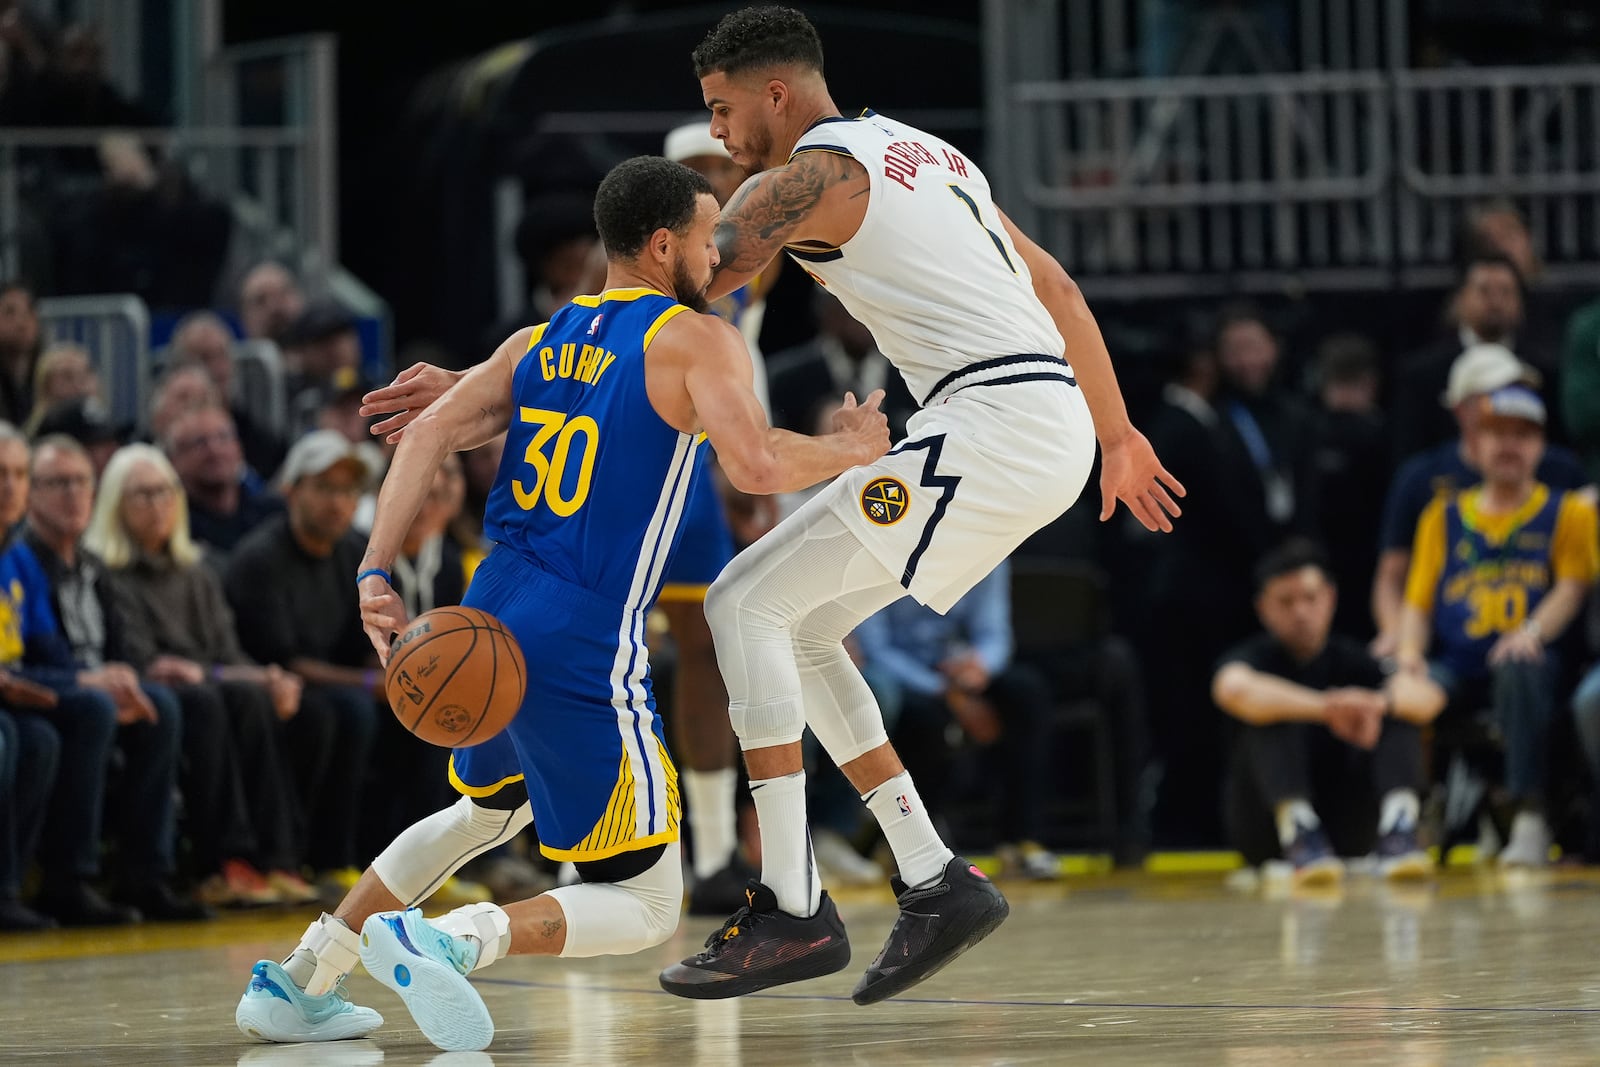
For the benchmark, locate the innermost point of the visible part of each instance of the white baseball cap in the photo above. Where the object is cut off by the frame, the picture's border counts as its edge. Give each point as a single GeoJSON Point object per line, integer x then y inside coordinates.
{"type": "Point", "coordinates": [690, 140]}
{"type": "Point", "coordinates": [1482, 368]}
{"type": "Point", "coordinates": [317, 452]}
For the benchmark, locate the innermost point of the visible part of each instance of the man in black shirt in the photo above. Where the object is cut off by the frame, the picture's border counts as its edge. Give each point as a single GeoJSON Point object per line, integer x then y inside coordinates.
{"type": "Point", "coordinates": [292, 586]}
{"type": "Point", "coordinates": [1321, 725]}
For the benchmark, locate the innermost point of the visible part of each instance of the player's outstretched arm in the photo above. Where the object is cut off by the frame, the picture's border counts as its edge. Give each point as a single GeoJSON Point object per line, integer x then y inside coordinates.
{"type": "Point", "coordinates": [472, 411]}
{"type": "Point", "coordinates": [702, 380]}
{"type": "Point", "coordinates": [1129, 469]}
{"type": "Point", "coordinates": [816, 196]}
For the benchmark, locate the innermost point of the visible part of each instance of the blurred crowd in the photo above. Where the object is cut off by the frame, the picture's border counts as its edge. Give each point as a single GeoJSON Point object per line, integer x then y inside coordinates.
{"type": "Point", "coordinates": [1372, 630]}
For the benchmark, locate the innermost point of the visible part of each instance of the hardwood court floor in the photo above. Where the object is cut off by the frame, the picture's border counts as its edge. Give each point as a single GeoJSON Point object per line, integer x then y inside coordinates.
{"type": "Point", "coordinates": [1121, 969]}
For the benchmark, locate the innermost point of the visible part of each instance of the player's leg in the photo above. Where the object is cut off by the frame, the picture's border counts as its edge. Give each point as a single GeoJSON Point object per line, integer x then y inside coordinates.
{"type": "Point", "coordinates": [299, 999]}
{"type": "Point", "coordinates": [704, 744]}
{"type": "Point", "coordinates": [624, 904]}
{"type": "Point", "coordinates": [702, 740]}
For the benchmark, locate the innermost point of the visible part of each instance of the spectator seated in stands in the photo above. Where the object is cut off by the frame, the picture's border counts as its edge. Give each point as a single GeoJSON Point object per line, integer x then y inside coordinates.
{"type": "Point", "coordinates": [321, 358]}
{"type": "Point", "coordinates": [59, 506]}
{"type": "Point", "coordinates": [63, 374]}
{"type": "Point", "coordinates": [1328, 760]}
{"type": "Point", "coordinates": [20, 344]}
{"type": "Point", "coordinates": [226, 500]}
{"type": "Point", "coordinates": [949, 676]}
{"type": "Point", "coordinates": [96, 711]}
{"type": "Point", "coordinates": [1275, 428]}
{"type": "Point", "coordinates": [88, 423]}
{"type": "Point", "coordinates": [177, 622]}
{"type": "Point", "coordinates": [29, 753]}
{"type": "Point", "coordinates": [202, 339]}
{"type": "Point", "coordinates": [292, 586]}
{"type": "Point", "coordinates": [270, 300]}
{"type": "Point", "coordinates": [1486, 307]}
{"type": "Point", "coordinates": [1498, 572]}
{"type": "Point", "coordinates": [1351, 460]}
{"type": "Point", "coordinates": [1446, 469]}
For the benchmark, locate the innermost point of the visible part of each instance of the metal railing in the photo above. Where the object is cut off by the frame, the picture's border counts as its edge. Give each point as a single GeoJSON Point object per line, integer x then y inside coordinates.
{"type": "Point", "coordinates": [1341, 179]}
{"type": "Point", "coordinates": [1530, 135]}
{"type": "Point", "coordinates": [115, 330]}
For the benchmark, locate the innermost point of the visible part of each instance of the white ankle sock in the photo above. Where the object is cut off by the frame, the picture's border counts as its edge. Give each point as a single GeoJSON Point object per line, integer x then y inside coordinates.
{"type": "Point", "coordinates": [1400, 808]}
{"type": "Point", "coordinates": [711, 818]}
{"type": "Point", "coordinates": [1292, 814]}
{"type": "Point", "coordinates": [919, 852]}
{"type": "Point", "coordinates": [787, 866]}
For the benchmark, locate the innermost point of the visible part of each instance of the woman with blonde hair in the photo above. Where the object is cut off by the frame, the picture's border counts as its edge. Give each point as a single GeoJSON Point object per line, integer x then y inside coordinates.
{"type": "Point", "coordinates": [63, 374]}
{"type": "Point", "coordinates": [176, 612]}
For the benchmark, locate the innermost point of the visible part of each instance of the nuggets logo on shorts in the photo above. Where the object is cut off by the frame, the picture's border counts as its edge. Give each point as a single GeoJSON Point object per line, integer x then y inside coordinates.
{"type": "Point", "coordinates": [884, 500]}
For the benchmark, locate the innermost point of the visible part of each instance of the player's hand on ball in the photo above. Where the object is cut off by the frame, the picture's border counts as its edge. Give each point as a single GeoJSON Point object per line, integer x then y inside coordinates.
{"type": "Point", "coordinates": [382, 614]}
{"type": "Point", "coordinates": [405, 398]}
{"type": "Point", "coordinates": [1131, 473]}
{"type": "Point", "coordinates": [864, 422]}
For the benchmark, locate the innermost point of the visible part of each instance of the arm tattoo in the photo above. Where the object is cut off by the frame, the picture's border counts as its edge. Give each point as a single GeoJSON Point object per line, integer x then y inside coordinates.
{"type": "Point", "coordinates": [487, 413]}
{"type": "Point", "coordinates": [766, 213]}
{"type": "Point", "coordinates": [553, 927]}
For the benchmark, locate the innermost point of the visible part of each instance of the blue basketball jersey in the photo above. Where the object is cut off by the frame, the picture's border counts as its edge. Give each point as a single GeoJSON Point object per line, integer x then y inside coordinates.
{"type": "Point", "coordinates": [1488, 588]}
{"type": "Point", "coordinates": [593, 483]}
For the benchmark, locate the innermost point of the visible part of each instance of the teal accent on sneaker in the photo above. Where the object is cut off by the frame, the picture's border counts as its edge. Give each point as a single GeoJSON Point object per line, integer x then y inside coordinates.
{"type": "Point", "coordinates": [427, 968]}
{"type": "Point", "coordinates": [273, 1008]}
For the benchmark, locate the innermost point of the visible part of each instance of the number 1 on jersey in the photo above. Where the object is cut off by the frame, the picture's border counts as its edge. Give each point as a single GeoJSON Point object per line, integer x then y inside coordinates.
{"type": "Point", "coordinates": [550, 472]}
{"type": "Point", "coordinates": [972, 205]}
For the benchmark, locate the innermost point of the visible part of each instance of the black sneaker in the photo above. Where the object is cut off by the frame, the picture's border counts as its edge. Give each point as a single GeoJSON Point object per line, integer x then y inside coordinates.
{"type": "Point", "coordinates": [937, 923]}
{"type": "Point", "coordinates": [723, 892]}
{"type": "Point", "coordinates": [15, 915]}
{"type": "Point", "coordinates": [77, 904]}
{"type": "Point", "coordinates": [761, 947]}
{"type": "Point", "coordinates": [158, 902]}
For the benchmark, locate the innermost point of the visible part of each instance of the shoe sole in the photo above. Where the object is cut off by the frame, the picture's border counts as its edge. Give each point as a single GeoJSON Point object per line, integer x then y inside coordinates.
{"type": "Point", "coordinates": [696, 984]}
{"type": "Point", "coordinates": [1319, 875]}
{"type": "Point", "coordinates": [1409, 869]}
{"type": "Point", "coordinates": [955, 941]}
{"type": "Point", "coordinates": [272, 1020]}
{"type": "Point", "coordinates": [446, 1008]}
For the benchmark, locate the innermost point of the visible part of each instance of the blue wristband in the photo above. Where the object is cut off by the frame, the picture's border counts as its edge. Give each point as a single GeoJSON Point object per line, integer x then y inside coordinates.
{"type": "Point", "coordinates": [379, 571]}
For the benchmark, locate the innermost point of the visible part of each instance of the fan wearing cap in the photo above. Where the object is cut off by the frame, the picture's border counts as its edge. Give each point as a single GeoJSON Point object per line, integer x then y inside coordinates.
{"type": "Point", "coordinates": [291, 584]}
{"type": "Point", "coordinates": [1498, 572]}
{"type": "Point", "coordinates": [1443, 469]}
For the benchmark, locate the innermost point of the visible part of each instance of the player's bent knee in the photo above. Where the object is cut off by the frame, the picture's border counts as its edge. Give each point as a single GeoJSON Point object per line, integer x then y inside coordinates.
{"type": "Point", "coordinates": [616, 918]}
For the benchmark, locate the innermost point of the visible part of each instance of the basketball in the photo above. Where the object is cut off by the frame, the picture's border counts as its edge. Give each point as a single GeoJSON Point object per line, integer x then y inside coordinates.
{"type": "Point", "coordinates": [456, 677]}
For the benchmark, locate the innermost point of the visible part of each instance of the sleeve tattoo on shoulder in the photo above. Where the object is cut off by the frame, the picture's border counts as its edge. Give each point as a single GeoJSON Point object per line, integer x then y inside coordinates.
{"type": "Point", "coordinates": [764, 214]}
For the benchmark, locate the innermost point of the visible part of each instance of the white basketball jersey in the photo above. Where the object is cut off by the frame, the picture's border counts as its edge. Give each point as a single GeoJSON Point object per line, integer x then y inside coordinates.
{"type": "Point", "coordinates": [931, 272]}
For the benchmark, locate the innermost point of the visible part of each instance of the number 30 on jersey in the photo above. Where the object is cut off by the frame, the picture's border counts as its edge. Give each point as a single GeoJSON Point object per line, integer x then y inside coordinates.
{"type": "Point", "coordinates": [555, 429]}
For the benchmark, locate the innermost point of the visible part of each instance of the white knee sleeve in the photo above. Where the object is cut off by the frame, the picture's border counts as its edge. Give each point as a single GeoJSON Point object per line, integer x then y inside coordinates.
{"type": "Point", "coordinates": [426, 853]}
{"type": "Point", "coordinates": [616, 918]}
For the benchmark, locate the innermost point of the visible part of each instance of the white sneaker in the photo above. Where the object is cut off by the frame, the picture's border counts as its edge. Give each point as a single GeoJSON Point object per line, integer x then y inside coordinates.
{"type": "Point", "coordinates": [1530, 841]}
{"type": "Point", "coordinates": [428, 969]}
{"type": "Point", "coordinates": [273, 1008]}
{"type": "Point", "coordinates": [842, 864]}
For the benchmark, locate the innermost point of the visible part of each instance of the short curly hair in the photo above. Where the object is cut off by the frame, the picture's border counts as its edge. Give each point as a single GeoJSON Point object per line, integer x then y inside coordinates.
{"type": "Point", "coordinates": [642, 195]}
{"type": "Point", "coordinates": [756, 38]}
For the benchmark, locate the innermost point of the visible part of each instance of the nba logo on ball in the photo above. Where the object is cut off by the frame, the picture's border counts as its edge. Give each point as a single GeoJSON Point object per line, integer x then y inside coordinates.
{"type": "Point", "coordinates": [456, 677]}
{"type": "Point", "coordinates": [884, 500]}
